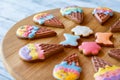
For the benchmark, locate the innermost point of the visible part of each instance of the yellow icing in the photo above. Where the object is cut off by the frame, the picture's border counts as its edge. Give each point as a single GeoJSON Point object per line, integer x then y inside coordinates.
{"type": "Point", "coordinates": [21, 30]}
{"type": "Point", "coordinates": [33, 51]}
{"type": "Point", "coordinates": [106, 69]}
{"type": "Point", "coordinates": [62, 75]}
{"type": "Point", "coordinates": [40, 14]}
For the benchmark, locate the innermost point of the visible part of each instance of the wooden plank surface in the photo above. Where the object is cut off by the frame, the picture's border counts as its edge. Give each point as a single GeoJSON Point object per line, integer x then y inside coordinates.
{"type": "Point", "coordinates": [43, 70]}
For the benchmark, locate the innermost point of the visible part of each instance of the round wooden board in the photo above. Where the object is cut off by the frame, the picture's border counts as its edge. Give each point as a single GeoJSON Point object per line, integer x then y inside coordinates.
{"type": "Point", "coordinates": [43, 70]}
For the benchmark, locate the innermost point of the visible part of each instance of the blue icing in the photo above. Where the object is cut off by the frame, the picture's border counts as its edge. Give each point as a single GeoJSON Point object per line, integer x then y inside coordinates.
{"type": "Point", "coordinates": [33, 31]}
{"type": "Point", "coordinates": [43, 19]}
{"type": "Point", "coordinates": [69, 11]}
{"type": "Point", "coordinates": [72, 66]}
{"type": "Point", "coordinates": [70, 40]}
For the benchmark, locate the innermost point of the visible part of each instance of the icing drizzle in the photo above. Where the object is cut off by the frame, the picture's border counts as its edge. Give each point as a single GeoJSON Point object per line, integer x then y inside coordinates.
{"type": "Point", "coordinates": [64, 71]}
{"type": "Point", "coordinates": [108, 73]}
{"type": "Point", "coordinates": [70, 9]}
{"type": "Point", "coordinates": [70, 40]}
{"type": "Point", "coordinates": [42, 17]}
{"type": "Point", "coordinates": [27, 31]}
{"type": "Point", "coordinates": [103, 10]}
{"type": "Point", "coordinates": [31, 52]}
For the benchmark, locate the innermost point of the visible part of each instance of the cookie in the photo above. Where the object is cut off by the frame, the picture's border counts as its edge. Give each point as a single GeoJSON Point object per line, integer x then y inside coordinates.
{"type": "Point", "coordinates": [102, 14]}
{"type": "Point", "coordinates": [115, 53]}
{"type": "Point", "coordinates": [68, 69]}
{"type": "Point", "coordinates": [82, 31]}
{"type": "Point", "coordinates": [74, 13]}
{"type": "Point", "coordinates": [71, 40]}
{"type": "Point", "coordinates": [89, 48]}
{"type": "Point", "coordinates": [104, 38]}
{"type": "Point", "coordinates": [47, 20]}
{"type": "Point", "coordinates": [33, 52]}
{"type": "Point", "coordinates": [115, 27]}
{"type": "Point", "coordinates": [32, 32]}
{"type": "Point", "coordinates": [104, 70]}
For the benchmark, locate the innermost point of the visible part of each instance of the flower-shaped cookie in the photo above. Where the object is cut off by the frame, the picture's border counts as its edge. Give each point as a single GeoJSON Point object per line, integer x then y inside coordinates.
{"type": "Point", "coordinates": [71, 40]}
{"type": "Point", "coordinates": [104, 38]}
{"type": "Point", "coordinates": [82, 31]}
{"type": "Point", "coordinates": [89, 48]}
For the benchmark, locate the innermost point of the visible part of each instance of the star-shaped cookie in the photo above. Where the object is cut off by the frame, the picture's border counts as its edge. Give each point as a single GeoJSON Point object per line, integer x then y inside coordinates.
{"type": "Point", "coordinates": [82, 31]}
{"type": "Point", "coordinates": [89, 48]}
{"type": "Point", "coordinates": [71, 40]}
{"type": "Point", "coordinates": [104, 38]}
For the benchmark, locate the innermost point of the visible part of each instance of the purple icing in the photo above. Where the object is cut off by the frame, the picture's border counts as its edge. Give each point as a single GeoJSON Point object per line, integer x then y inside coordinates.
{"type": "Point", "coordinates": [24, 53]}
{"type": "Point", "coordinates": [113, 78]}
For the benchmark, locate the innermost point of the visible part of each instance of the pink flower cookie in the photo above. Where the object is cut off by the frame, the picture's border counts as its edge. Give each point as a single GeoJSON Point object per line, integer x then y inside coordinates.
{"type": "Point", "coordinates": [71, 40]}
{"type": "Point", "coordinates": [104, 38]}
{"type": "Point", "coordinates": [89, 48]}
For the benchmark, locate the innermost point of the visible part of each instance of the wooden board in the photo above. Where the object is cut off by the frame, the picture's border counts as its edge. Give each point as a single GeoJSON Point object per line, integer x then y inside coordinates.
{"type": "Point", "coordinates": [43, 70]}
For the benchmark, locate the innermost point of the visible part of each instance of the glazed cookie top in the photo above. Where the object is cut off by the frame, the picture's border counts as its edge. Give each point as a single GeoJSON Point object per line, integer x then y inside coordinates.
{"type": "Point", "coordinates": [89, 48]}
{"type": "Point", "coordinates": [70, 9]}
{"type": "Point", "coordinates": [70, 40]}
{"type": "Point", "coordinates": [64, 68]}
{"type": "Point", "coordinates": [82, 31]}
{"type": "Point", "coordinates": [103, 10]}
{"type": "Point", "coordinates": [27, 31]}
{"type": "Point", "coordinates": [42, 17]}
{"type": "Point", "coordinates": [108, 73]}
{"type": "Point", "coordinates": [31, 52]}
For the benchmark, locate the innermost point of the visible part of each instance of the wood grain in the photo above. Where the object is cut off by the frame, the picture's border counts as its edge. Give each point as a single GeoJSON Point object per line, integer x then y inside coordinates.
{"type": "Point", "coordinates": [43, 70]}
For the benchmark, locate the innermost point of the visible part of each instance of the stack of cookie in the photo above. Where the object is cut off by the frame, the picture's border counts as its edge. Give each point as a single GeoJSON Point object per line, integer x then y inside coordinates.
{"type": "Point", "coordinates": [69, 68]}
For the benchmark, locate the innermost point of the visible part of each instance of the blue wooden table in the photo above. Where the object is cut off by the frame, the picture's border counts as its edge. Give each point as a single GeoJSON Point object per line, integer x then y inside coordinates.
{"type": "Point", "coordinates": [13, 11]}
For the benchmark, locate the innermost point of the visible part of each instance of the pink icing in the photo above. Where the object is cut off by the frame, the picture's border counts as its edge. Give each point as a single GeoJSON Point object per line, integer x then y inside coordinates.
{"type": "Point", "coordinates": [40, 52]}
{"type": "Point", "coordinates": [90, 48]}
{"type": "Point", "coordinates": [67, 70]}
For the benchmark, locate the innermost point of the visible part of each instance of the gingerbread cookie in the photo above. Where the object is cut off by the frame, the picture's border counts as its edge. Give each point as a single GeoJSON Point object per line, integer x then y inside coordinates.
{"type": "Point", "coordinates": [47, 20]}
{"type": "Point", "coordinates": [89, 48]}
{"type": "Point", "coordinates": [68, 69]}
{"type": "Point", "coordinates": [31, 32]}
{"type": "Point", "coordinates": [32, 52]}
{"type": "Point", "coordinates": [74, 13]}
{"type": "Point", "coordinates": [104, 70]}
{"type": "Point", "coordinates": [115, 53]}
{"type": "Point", "coordinates": [115, 27]}
{"type": "Point", "coordinates": [82, 31]}
{"type": "Point", "coordinates": [104, 38]}
{"type": "Point", "coordinates": [102, 14]}
{"type": "Point", "coordinates": [71, 40]}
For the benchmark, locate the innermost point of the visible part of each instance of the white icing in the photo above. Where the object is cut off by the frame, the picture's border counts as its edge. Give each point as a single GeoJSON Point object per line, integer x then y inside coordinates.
{"type": "Point", "coordinates": [82, 31]}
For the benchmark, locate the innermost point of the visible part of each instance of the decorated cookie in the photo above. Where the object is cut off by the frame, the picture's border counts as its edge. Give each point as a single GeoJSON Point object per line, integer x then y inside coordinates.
{"type": "Point", "coordinates": [74, 13]}
{"type": "Point", "coordinates": [102, 14]}
{"type": "Point", "coordinates": [68, 69]}
{"type": "Point", "coordinates": [104, 38]}
{"type": "Point", "coordinates": [47, 20]}
{"type": "Point", "coordinates": [31, 32]}
{"type": "Point", "coordinates": [115, 53]}
{"type": "Point", "coordinates": [32, 52]}
{"type": "Point", "coordinates": [71, 40]}
{"type": "Point", "coordinates": [82, 31]}
{"type": "Point", "coordinates": [104, 70]}
{"type": "Point", "coordinates": [115, 27]}
{"type": "Point", "coordinates": [89, 48]}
